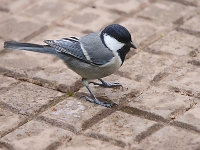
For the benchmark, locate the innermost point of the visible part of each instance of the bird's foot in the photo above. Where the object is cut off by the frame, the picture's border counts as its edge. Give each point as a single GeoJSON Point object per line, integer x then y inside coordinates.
{"type": "Point", "coordinates": [107, 85]}
{"type": "Point", "coordinates": [96, 101]}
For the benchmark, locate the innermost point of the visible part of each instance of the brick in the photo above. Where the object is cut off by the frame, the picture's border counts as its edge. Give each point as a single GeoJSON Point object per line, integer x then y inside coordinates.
{"type": "Point", "coordinates": [27, 98]}
{"type": "Point", "coordinates": [4, 16]}
{"type": "Point", "coordinates": [50, 10]}
{"type": "Point", "coordinates": [18, 28]}
{"type": "Point", "coordinates": [1, 45]}
{"type": "Point", "coordinates": [84, 143]}
{"type": "Point", "coordinates": [121, 127]}
{"type": "Point", "coordinates": [143, 31]}
{"type": "Point", "coordinates": [62, 77]}
{"type": "Point", "coordinates": [9, 121]}
{"type": "Point", "coordinates": [91, 19]}
{"type": "Point", "coordinates": [35, 135]}
{"type": "Point", "coordinates": [143, 66]}
{"type": "Point", "coordinates": [178, 139]}
{"type": "Point", "coordinates": [130, 90]}
{"type": "Point", "coordinates": [184, 79]}
{"type": "Point", "coordinates": [166, 12]}
{"type": "Point", "coordinates": [7, 81]}
{"type": "Point", "coordinates": [25, 62]}
{"type": "Point", "coordinates": [130, 5]}
{"type": "Point", "coordinates": [191, 26]}
{"type": "Point", "coordinates": [81, 1]}
{"type": "Point", "coordinates": [162, 102]}
{"type": "Point", "coordinates": [72, 113]}
{"type": "Point", "coordinates": [191, 117]}
{"type": "Point", "coordinates": [176, 43]}
{"type": "Point", "coordinates": [55, 33]}
{"type": "Point", "coordinates": [14, 6]}
{"type": "Point", "coordinates": [188, 2]}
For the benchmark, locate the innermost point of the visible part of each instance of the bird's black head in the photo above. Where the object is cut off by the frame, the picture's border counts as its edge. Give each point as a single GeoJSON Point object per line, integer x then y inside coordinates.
{"type": "Point", "coordinates": [120, 33]}
{"type": "Point", "coordinates": [118, 39]}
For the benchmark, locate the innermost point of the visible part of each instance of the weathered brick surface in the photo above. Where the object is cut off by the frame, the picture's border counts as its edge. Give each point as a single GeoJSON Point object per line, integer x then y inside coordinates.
{"type": "Point", "coordinates": [119, 128]}
{"type": "Point", "coordinates": [163, 102]}
{"type": "Point", "coordinates": [176, 43]}
{"type": "Point", "coordinates": [85, 143]}
{"type": "Point", "coordinates": [72, 113]}
{"type": "Point", "coordinates": [170, 138]}
{"type": "Point", "coordinates": [50, 10]}
{"type": "Point", "coordinates": [9, 121]}
{"type": "Point", "coordinates": [27, 98]}
{"type": "Point", "coordinates": [36, 136]}
{"type": "Point", "coordinates": [89, 19]}
{"type": "Point", "coordinates": [143, 31]}
{"type": "Point", "coordinates": [18, 28]}
{"type": "Point", "coordinates": [191, 26]}
{"type": "Point", "coordinates": [191, 117]}
{"type": "Point", "coordinates": [166, 12]}
{"type": "Point", "coordinates": [143, 67]}
{"type": "Point", "coordinates": [184, 80]}
{"type": "Point", "coordinates": [158, 106]}
{"type": "Point", "coordinates": [118, 95]}
{"type": "Point", "coordinates": [6, 82]}
{"type": "Point", "coordinates": [131, 5]}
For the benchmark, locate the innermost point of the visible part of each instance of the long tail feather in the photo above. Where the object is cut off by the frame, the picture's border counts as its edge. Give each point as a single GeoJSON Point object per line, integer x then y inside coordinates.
{"type": "Point", "coordinates": [29, 47]}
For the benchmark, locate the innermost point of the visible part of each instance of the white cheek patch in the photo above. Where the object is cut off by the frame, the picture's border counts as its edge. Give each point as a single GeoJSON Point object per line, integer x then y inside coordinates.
{"type": "Point", "coordinates": [112, 43]}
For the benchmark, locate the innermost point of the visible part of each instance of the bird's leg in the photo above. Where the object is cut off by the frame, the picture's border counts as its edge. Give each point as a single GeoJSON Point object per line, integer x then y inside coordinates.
{"type": "Point", "coordinates": [107, 85]}
{"type": "Point", "coordinates": [94, 100]}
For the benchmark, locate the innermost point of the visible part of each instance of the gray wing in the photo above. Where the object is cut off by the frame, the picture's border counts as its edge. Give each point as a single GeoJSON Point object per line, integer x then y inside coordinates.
{"type": "Point", "coordinates": [68, 46]}
{"type": "Point", "coordinates": [95, 50]}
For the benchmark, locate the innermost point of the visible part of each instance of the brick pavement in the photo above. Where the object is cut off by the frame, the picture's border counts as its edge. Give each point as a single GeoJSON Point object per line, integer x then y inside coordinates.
{"type": "Point", "coordinates": [158, 108]}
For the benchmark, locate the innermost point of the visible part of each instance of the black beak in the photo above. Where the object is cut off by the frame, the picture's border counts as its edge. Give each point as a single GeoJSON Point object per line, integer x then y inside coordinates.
{"type": "Point", "coordinates": [132, 45]}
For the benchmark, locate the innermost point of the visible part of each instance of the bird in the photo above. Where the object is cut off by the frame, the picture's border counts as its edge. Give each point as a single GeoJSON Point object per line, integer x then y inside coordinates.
{"type": "Point", "coordinates": [92, 56]}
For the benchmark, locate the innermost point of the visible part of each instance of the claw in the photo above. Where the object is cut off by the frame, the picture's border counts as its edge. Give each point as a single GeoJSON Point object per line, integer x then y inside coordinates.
{"type": "Point", "coordinates": [107, 85]}
{"type": "Point", "coordinates": [96, 101]}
